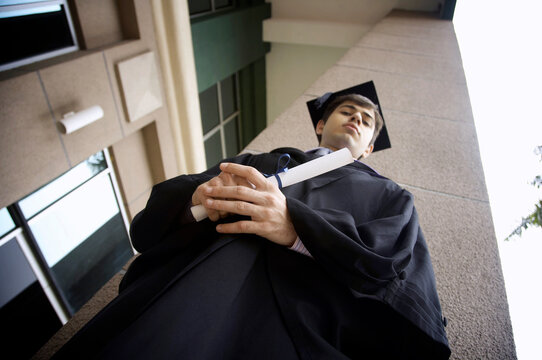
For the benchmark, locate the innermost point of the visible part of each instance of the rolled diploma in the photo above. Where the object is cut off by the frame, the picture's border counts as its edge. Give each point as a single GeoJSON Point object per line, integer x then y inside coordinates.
{"type": "Point", "coordinates": [299, 173]}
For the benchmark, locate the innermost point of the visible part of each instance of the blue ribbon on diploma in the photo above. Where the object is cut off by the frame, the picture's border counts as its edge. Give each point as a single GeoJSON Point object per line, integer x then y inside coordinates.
{"type": "Point", "coordinates": [280, 168]}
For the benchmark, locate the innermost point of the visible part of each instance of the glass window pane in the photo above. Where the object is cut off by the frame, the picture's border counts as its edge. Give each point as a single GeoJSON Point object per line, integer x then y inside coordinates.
{"type": "Point", "coordinates": [67, 223]}
{"type": "Point", "coordinates": [26, 315]}
{"type": "Point", "coordinates": [83, 240]}
{"type": "Point", "coordinates": [208, 103]}
{"type": "Point", "coordinates": [90, 265]}
{"type": "Point", "coordinates": [231, 136]}
{"type": "Point", "coordinates": [198, 6]}
{"type": "Point", "coordinates": [6, 223]}
{"type": "Point", "coordinates": [213, 150]}
{"type": "Point", "coordinates": [229, 98]}
{"type": "Point", "coordinates": [27, 21]}
{"type": "Point", "coordinates": [49, 193]}
{"type": "Point", "coordinates": [15, 272]}
{"type": "Point", "coordinates": [222, 3]}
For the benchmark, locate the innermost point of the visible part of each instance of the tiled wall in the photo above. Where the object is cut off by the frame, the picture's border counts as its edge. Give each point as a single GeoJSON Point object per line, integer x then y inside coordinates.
{"type": "Point", "coordinates": [416, 66]}
{"type": "Point", "coordinates": [34, 97]}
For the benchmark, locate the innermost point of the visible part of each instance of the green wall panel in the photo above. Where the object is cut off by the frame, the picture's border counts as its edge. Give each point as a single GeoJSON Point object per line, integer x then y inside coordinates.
{"type": "Point", "coordinates": [253, 100]}
{"type": "Point", "coordinates": [227, 43]}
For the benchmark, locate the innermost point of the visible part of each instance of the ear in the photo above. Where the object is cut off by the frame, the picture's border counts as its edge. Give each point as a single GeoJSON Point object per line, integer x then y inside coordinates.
{"type": "Point", "coordinates": [320, 127]}
{"type": "Point", "coordinates": [367, 151]}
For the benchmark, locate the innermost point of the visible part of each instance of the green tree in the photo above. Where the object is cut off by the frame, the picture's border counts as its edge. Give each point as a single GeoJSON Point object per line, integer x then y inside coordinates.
{"type": "Point", "coordinates": [534, 218]}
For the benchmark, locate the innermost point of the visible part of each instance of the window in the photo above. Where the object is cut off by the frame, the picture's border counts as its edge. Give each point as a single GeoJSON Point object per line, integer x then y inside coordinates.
{"type": "Point", "coordinates": [204, 7]}
{"type": "Point", "coordinates": [59, 245]}
{"type": "Point", "coordinates": [6, 223]}
{"type": "Point", "coordinates": [34, 30]}
{"type": "Point", "coordinates": [220, 117]}
{"type": "Point", "coordinates": [27, 316]}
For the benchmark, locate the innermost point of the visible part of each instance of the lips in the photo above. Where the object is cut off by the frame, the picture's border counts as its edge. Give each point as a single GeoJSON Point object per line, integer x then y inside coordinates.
{"type": "Point", "coordinates": [353, 127]}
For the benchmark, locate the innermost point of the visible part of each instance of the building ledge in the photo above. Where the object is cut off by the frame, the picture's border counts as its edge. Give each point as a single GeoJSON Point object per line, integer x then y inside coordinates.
{"type": "Point", "coordinates": [312, 32]}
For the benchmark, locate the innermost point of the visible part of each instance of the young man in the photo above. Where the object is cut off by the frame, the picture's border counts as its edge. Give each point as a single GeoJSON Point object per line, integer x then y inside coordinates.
{"type": "Point", "coordinates": [352, 121]}
{"type": "Point", "coordinates": [230, 287]}
{"type": "Point", "coordinates": [355, 113]}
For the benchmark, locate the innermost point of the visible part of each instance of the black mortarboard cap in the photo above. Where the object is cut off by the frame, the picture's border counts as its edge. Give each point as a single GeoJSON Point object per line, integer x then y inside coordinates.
{"type": "Point", "coordinates": [319, 105]}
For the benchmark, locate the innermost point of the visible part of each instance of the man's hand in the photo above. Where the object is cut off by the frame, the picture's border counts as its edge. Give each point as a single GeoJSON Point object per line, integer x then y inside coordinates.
{"type": "Point", "coordinates": [263, 202]}
{"type": "Point", "coordinates": [202, 193]}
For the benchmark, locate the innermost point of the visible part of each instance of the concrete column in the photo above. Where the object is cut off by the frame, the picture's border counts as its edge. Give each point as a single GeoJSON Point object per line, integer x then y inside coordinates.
{"type": "Point", "coordinates": [173, 36]}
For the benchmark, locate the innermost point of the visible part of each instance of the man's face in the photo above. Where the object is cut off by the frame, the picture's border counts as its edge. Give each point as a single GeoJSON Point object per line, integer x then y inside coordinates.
{"type": "Point", "coordinates": [351, 126]}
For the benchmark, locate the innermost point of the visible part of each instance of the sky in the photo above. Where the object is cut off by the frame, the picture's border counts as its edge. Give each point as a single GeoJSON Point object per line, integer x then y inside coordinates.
{"type": "Point", "coordinates": [500, 43]}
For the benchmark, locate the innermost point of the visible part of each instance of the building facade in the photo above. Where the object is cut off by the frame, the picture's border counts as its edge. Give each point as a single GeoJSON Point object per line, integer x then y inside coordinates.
{"type": "Point", "coordinates": [172, 106]}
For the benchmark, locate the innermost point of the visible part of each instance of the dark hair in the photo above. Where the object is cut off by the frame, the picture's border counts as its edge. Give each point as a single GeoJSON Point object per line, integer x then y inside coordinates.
{"type": "Point", "coordinates": [358, 100]}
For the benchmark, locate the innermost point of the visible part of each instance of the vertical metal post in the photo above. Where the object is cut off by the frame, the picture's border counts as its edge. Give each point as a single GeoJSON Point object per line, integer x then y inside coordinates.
{"type": "Point", "coordinates": [19, 219]}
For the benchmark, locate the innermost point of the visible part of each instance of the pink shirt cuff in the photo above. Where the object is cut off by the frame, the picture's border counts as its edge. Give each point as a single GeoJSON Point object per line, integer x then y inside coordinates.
{"type": "Point", "coordinates": [300, 248]}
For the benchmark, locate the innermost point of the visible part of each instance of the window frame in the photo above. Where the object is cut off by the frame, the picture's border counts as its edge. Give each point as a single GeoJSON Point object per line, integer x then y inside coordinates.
{"type": "Point", "coordinates": [223, 122]}
{"type": "Point", "coordinates": [32, 252]}
{"type": "Point", "coordinates": [213, 10]}
{"type": "Point", "coordinates": [22, 5]}
{"type": "Point", "coordinates": [45, 282]}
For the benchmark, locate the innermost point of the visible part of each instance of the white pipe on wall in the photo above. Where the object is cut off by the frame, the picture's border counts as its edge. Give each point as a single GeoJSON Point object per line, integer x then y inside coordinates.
{"type": "Point", "coordinates": [73, 121]}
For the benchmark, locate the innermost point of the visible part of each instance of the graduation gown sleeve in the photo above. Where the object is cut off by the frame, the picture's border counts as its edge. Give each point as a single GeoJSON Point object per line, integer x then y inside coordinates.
{"type": "Point", "coordinates": [364, 231]}
{"type": "Point", "coordinates": [168, 204]}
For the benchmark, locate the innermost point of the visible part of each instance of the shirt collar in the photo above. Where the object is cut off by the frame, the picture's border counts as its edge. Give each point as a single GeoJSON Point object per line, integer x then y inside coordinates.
{"type": "Point", "coordinates": [321, 151]}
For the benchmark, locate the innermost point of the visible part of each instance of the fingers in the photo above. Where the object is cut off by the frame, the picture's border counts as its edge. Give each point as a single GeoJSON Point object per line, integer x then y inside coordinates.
{"type": "Point", "coordinates": [226, 179]}
{"type": "Point", "coordinates": [234, 207]}
{"type": "Point", "coordinates": [200, 195]}
{"type": "Point", "coordinates": [249, 173]}
{"type": "Point", "coordinates": [239, 227]}
{"type": "Point", "coordinates": [229, 179]}
{"type": "Point", "coordinates": [244, 182]}
{"type": "Point", "coordinates": [242, 201]}
{"type": "Point", "coordinates": [231, 183]}
{"type": "Point", "coordinates": [237, 193]}
{"type": "Point", "coordinates": [279, 232]}
{"type": "Point", "coordinates": [264, 203]}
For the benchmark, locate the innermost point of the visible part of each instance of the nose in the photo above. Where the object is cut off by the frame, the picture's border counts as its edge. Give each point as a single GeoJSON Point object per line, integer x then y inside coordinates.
{"type": "Point", "coordinates": [356, 117]}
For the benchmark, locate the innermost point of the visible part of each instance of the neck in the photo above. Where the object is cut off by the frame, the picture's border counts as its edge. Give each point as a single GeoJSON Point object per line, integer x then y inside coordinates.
{"type": "Point", "coordinates": [335, 149]}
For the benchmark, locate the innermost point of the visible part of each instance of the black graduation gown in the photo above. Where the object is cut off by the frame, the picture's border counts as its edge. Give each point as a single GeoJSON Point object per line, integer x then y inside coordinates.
{"type": "Point", "coordinates": [368, 293]}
